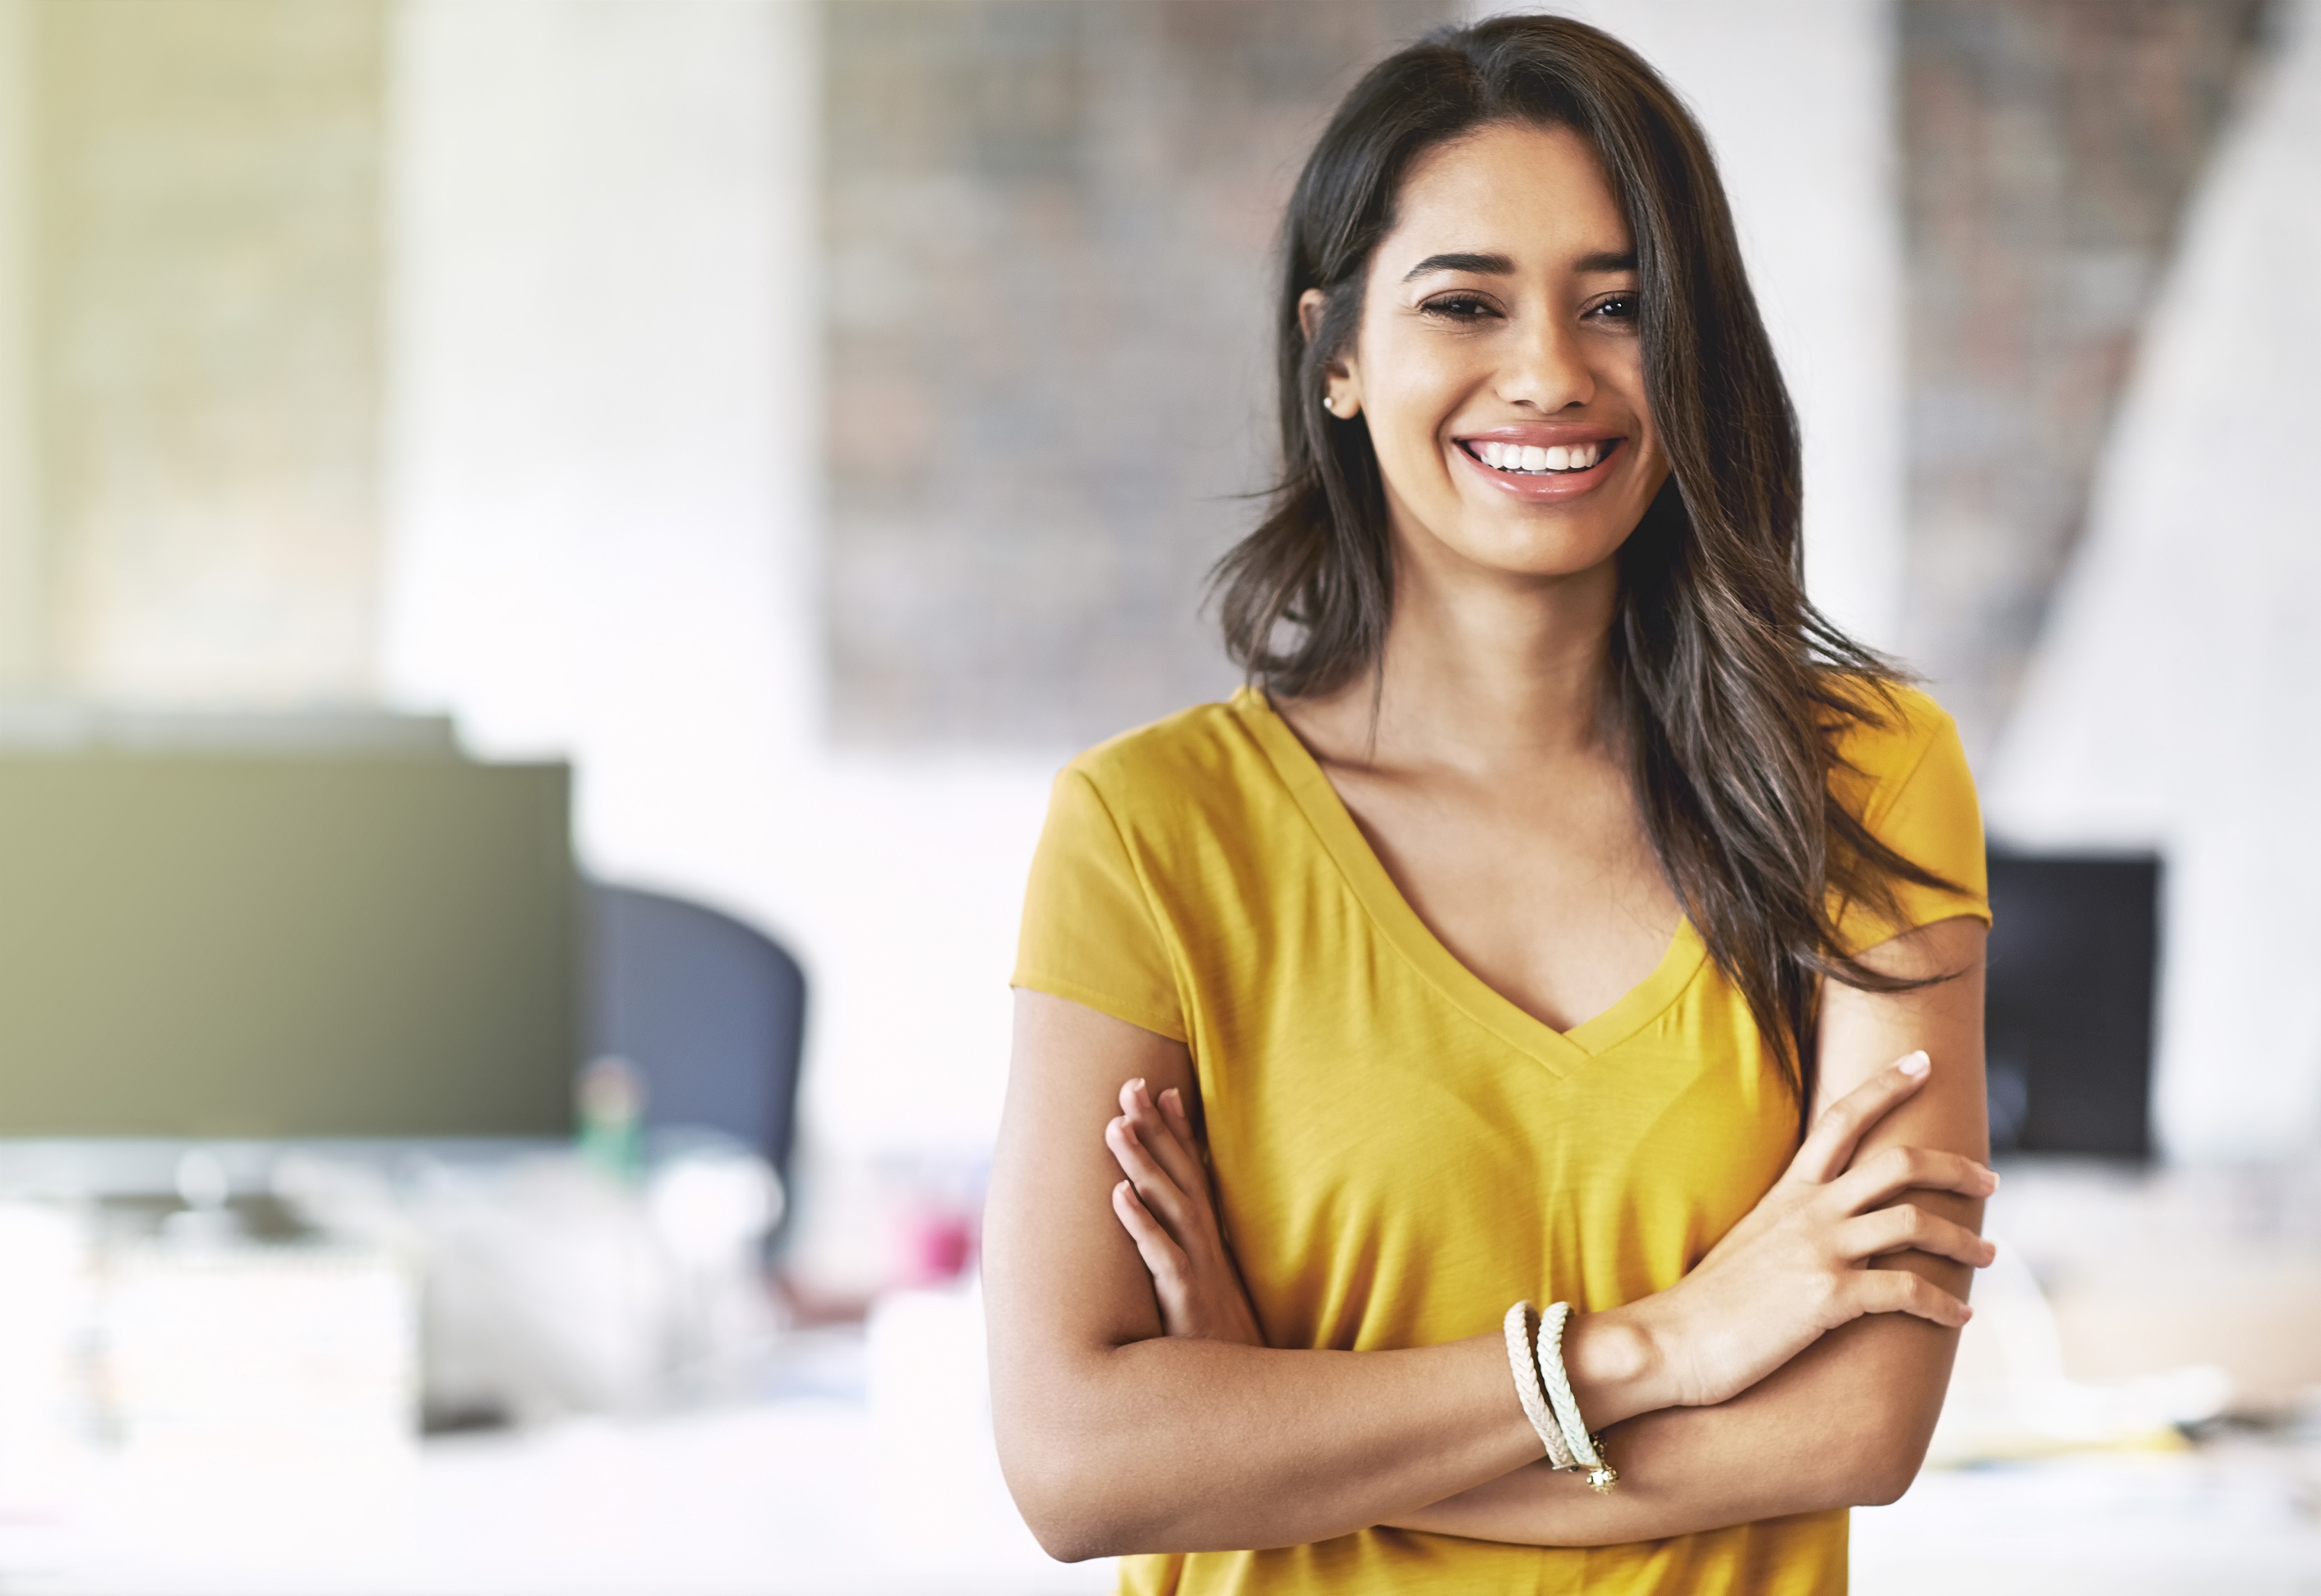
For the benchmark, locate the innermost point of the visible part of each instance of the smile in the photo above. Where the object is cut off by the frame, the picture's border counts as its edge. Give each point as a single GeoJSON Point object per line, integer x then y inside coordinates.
{"type": "Point", "coordinates": [1529, 460]}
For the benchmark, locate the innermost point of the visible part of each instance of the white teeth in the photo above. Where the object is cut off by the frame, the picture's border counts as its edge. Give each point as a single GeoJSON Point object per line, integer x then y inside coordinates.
{"type": "Point", "coordinates": [1532, 459]}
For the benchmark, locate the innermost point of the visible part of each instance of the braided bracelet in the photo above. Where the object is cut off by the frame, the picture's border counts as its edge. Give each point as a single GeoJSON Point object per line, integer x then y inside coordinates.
{"type": "Point", "coordinates": [1586, 1451]}
{"type": "Point", "coordinates": [1528, 1391]}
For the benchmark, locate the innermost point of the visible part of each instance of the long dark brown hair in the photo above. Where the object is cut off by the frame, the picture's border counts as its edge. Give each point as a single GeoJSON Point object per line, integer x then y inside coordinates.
{"type": "Point", "coordinates": [1728, 689]}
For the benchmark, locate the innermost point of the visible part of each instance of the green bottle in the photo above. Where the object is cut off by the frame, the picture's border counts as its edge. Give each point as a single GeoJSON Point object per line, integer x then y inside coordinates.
{"type": "Point", "coordinates": [612, 1100]}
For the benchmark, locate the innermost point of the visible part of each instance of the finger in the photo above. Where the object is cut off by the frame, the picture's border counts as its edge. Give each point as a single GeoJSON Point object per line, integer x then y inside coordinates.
{"type": "Point", "coordinates": [1174, 1153]}
{"type": "Point", "coordinates": [1830, 1147]}
{"type": "Point", "coordinates": [1159, 1193]}
{"type": "Point", "coordinates": [1163, 1258]}
{"type": "Point", "coordinates": [1172, 1103]}
{"type": "Point", "coordinates": [1137, 1107]}
{"type": "Point", "coordinates": [1898, 1290]}
{"type": "Point", "coordinates": [1180, 1121]}
{"type": "Point", "coordinates": [1171, 1151]}
{"type": "Point", "coordinates": [1147, 1110]}
{"type": "Point", "coordinates": [1892, 1171]}
{"type": "Point", "coordinates": [1144, 1119]}
{"type": "Point", "coordinates": [1910, 1228]}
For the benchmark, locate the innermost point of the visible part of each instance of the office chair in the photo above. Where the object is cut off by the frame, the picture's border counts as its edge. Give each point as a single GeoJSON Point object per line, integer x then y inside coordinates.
{"type": "Point", "coordinates": [710, 1013]}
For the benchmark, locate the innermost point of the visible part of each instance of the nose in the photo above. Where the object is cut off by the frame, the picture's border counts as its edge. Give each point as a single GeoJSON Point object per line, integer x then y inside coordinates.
{"type": "Point", "coordinates": [1547, 368]}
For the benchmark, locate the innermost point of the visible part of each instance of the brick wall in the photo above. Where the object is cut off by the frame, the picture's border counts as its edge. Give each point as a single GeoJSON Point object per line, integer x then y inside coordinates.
{"type": "Point", "coordinates": [1048, 229]}
{"type": "Point", "coordinates": [2048, 150]}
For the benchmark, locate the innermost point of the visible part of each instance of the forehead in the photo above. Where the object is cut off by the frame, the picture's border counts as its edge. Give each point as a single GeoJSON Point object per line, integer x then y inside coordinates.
{"type": "Point", "coordinates": [1535, 194]}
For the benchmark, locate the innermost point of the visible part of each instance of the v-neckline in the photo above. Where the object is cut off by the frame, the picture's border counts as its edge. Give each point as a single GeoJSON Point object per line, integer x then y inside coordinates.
{"type": "Point", "coordinates": [1342, 837]}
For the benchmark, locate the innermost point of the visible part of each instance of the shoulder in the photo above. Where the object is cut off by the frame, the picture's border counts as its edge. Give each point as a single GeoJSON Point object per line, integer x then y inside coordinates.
{"type": "Point", "coordinates": [1194, 761]}
{"type": "Point", "coordinates": [1901, 772]}
{"type": "Point", "coordinates": [1883, 736]}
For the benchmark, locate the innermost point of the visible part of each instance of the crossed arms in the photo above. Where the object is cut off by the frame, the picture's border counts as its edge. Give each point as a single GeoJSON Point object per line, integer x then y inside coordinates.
{"type": "Point", "coordinates": [1800, 1366]}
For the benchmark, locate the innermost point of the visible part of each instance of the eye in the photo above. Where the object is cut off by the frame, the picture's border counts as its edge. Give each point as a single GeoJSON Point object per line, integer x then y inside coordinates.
{"type": "Point", "coordinates": [1619, 307]}
{"type": "Point", "coordinates": [1461, 308]}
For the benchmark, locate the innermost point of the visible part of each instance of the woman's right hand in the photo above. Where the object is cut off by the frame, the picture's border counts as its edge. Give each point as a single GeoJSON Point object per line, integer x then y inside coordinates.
{"type": "Point", "coordinates": [1797, 1266]}
{"type": "Point", "coordinates": [1166, 1206]}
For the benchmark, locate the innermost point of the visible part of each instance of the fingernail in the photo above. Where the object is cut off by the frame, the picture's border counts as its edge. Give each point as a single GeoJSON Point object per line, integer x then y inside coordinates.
{"type": "Point", "coordinates": [1172, 1096]}
{"type": "Point", "coordinates": [1137, 1084]}
{"type": "Point", "coordinates": [1913, 1063]}
{"type": "Point", "coordinates": [1994, 1179]}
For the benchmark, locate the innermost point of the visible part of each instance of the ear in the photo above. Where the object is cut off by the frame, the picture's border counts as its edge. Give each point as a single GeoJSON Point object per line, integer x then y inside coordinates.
{"type": "Point", "coordinates": [1342, 387]}
{"type": "Point", "coordinates": [1311, 303]}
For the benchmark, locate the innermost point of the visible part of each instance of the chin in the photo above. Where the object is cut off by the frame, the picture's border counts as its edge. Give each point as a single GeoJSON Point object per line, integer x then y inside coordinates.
{"type": "Point", "coordinates": [1541, 542]}
{"type": "Point", "coordinates": [1537, 556]}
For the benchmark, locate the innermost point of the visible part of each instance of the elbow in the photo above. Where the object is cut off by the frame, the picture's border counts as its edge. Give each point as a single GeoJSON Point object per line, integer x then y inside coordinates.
{"type": "Point", "coordinates": [1063, 1538]}
{"type": "Point", "coordinates": [1883, 1483]}
{"type": "Point", "coordinates": [1897, 1377]}
{"type": "Point", "coordinates": [1083, 1485]}
{"type": "Point", "coordinates": [1057, 1490]}
{"type": "Point", "coordinates": [1884, 1459]}
{"type": "Point", "coordinates": [1064, 1534]}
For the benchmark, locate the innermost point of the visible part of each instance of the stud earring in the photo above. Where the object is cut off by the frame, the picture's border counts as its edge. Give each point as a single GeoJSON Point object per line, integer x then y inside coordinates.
{"type": "Point", "coordinates": [1328, 402]}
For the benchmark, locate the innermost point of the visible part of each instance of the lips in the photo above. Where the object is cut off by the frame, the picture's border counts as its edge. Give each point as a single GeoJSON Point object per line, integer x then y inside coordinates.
{"type": "Point", "coordinates": [1542, 462]}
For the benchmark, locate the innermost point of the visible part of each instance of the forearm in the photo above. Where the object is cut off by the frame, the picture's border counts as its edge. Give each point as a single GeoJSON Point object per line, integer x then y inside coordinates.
{"type": "Point", "coordinates": [1176, 1445]}
{"type": "Point", "coordinates": [1845, 1424]}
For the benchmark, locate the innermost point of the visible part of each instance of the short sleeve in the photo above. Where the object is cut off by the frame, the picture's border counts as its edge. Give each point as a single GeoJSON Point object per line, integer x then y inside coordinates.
{"type": "Point", "coordinates": [1089, 935]}
{"type": "Point", "coordinates": [1924, 809]}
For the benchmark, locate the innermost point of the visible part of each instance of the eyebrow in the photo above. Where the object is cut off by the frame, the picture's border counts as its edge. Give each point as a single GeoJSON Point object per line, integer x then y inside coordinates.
{"type": "Point", "coordinates": [1603, 260]}
{"type": "Point", "coordinates": [1481, 265]}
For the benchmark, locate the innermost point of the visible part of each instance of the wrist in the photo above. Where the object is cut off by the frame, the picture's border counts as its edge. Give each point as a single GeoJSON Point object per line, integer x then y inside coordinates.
{"type": "Point", "coordinates": [1619, 1366]}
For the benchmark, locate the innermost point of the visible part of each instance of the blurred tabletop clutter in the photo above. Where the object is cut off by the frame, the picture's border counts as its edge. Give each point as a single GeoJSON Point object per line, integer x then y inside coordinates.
{"type": "Point", "coordinates": [2136, 1405]}
{"type": "Point", "coordinates": [515, 1372]}
{"type": "Point", "coordinates": [655, 1424]}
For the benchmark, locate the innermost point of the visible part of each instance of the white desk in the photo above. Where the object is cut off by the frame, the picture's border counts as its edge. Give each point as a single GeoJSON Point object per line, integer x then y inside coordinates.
{"type": "Point", "coordinates": [814, 1496]}
{"type": "Point", "coordinates": [2242, 1517]}
{"type": "Point", "coordinates": [793, 1496]}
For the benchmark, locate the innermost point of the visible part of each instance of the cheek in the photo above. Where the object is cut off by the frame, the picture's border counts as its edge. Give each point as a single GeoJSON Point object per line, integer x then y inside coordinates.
{"type": "Point", "coordinates": [1629, 376]}
{"type": "Point", "coordinates": [1409, 411]}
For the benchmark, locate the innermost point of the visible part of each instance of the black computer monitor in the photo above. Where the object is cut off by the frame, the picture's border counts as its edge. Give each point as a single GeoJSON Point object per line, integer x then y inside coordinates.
{"type": "Point", "coordinates": [2068, 1019]}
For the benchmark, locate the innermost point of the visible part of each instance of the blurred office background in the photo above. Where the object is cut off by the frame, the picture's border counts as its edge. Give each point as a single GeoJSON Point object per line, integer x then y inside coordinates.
{"type": "Point", "coordinates": [656, 487]}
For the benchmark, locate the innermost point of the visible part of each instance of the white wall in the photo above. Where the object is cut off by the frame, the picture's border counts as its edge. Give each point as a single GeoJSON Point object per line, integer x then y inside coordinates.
{"type": "Point", "coordinates": [24, 573]}
{"type": "Point", "coordinates": [1797, 97]}
{"type": "Point", "coordinates": [2172, 700]}
{"type": "Point", "coordinates": [603, 470]}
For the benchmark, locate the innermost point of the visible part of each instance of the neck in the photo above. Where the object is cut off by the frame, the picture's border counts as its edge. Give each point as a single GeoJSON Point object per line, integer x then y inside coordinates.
{"type": "Point", "coordinates": [1484, 672]}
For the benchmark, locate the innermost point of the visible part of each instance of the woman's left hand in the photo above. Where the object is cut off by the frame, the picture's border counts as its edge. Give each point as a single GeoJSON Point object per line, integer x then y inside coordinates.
{"type": "Point", "coordinates": [1165, 1207]}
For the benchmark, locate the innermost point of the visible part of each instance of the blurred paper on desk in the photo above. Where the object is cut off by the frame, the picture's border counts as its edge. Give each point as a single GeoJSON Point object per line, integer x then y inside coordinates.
{"type": "Point", "coordinates": [44, 1396]}
{"type": "Point", "coordinates": [259, 1355]}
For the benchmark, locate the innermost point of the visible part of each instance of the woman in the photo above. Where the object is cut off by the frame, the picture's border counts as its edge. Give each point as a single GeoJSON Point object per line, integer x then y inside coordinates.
{"type": "Point", "coordinates": [1561, 867]}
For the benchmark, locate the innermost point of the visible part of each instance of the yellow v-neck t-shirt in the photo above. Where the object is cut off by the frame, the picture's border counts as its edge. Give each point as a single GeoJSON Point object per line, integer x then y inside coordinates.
{"type": "Point", "coordinates": [1400, 1150]}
